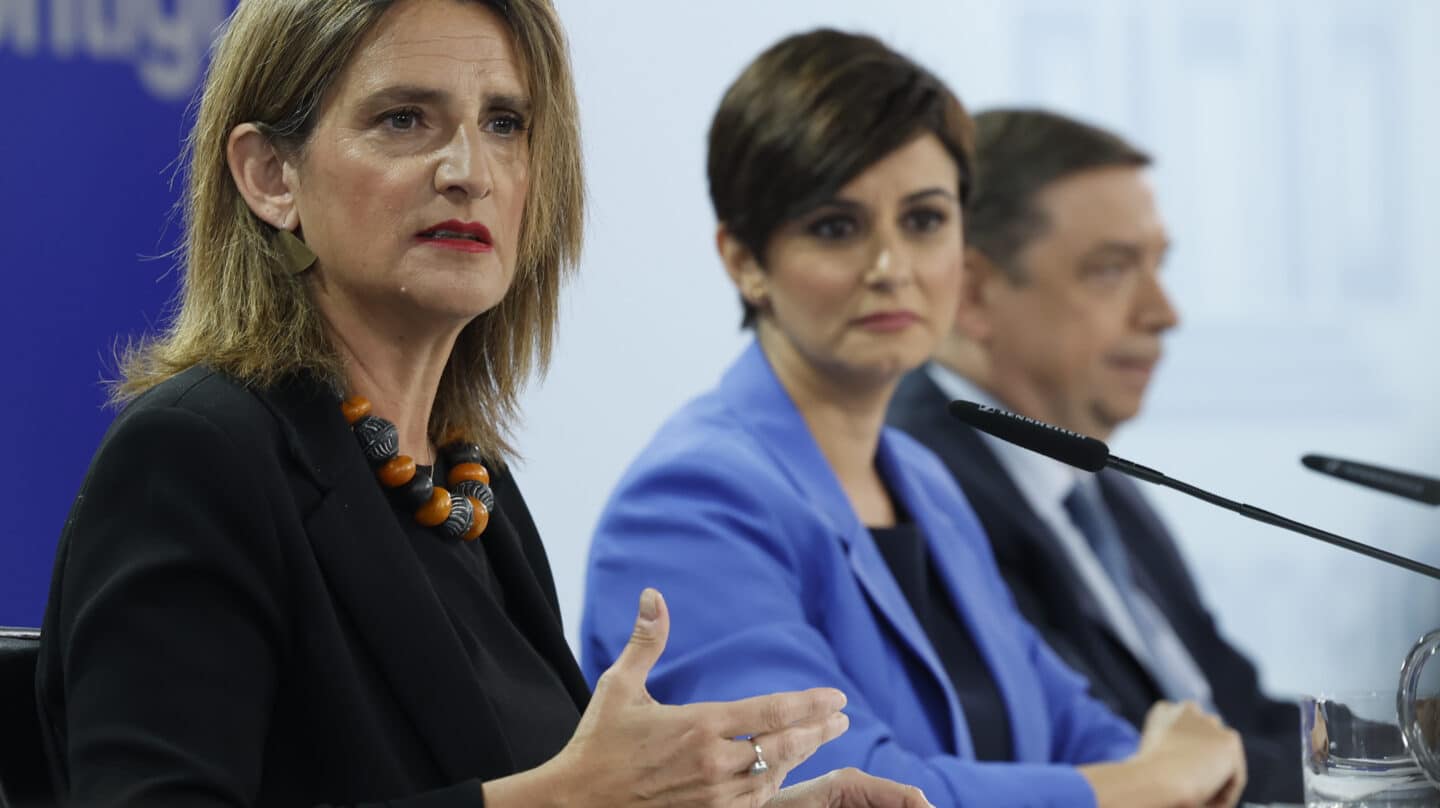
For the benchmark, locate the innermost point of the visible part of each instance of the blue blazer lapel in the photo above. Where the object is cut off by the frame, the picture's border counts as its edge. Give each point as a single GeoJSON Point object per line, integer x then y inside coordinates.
{"type": "Point", "coordinates": [758, 400]}
{"type": "Point", "coordinates": [958, 549]}
{"type": "Point", "coordinates": [879, 584]}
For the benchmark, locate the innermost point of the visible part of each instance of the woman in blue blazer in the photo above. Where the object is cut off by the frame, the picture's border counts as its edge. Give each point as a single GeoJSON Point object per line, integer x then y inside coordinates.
{"type": "Point", "coordinates": [801, 543]}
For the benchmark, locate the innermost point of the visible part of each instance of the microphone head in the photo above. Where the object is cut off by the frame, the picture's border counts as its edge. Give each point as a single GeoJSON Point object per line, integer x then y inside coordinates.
{"type": "Point", "coordinates": [1401, 484]}
{"type": "Point", "coordinates": [1068, 447]}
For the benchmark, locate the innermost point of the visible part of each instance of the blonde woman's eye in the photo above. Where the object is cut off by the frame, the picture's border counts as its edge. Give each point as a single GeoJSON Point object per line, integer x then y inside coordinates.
{"type": "Point", "coordinates": [506, 125]}
{"type": "Point", "coordinates": [401, 120]}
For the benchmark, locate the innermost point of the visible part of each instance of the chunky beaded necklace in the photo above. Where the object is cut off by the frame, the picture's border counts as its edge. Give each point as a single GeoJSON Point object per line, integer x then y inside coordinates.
{"type": "Point", "coordinates": [459, 513]}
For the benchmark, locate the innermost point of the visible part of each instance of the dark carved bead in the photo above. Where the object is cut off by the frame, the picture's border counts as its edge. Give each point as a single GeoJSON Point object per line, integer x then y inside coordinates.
{"type": "Point", "coordinates": [458, 521]}
{"type": "Point", "coordinates": [478, 490]}
{"type": "Point", "coordinates": [462, 514]}
{"type": "Point", "coordinates": [415, 493]}
{"type": "Point", "coordinates": [379, 439]}
{"type": "Point", "coordinates": [457, 453]}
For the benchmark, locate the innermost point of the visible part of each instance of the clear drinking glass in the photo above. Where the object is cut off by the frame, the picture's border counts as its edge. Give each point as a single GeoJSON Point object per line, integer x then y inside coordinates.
{"type": "Point", "coordinates": [1356, 756]}
{"type": "Point", "coordinates": [1418, 705]}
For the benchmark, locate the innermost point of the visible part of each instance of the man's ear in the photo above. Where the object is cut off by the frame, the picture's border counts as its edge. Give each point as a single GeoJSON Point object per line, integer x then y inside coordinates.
{"type": "Point", "coordinates": [266, 182]}
{"type": "Point", "coordinates": [975, 312]}
{"type": "Point", "coordinates": [743, 268]}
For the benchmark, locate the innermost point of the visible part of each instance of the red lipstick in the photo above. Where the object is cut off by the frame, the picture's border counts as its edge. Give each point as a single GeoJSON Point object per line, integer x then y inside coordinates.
{"type": "Point", "coordinates": [454, 234]}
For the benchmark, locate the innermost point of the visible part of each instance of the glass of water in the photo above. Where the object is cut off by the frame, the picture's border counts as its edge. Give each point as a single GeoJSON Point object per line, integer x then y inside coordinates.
{"type": "Point", "coordinates": [1355, 755]}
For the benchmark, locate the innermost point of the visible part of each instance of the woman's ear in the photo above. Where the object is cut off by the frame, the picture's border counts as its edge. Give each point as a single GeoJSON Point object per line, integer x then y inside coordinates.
{"type": "Point", "coordinates": [742, 267]}
{"type": "Point", "coordinates": [974, 314]}
{"type": "Point", "coordinates": [266, 182]}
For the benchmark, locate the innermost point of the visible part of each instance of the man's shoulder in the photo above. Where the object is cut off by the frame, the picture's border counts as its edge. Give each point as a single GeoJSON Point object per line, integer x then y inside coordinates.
{"type": "Point", "coordinates": [918, 403]}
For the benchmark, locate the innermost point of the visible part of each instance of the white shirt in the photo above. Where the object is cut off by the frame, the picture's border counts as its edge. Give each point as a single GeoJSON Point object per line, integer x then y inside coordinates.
{"type": "Point", "coordinates": [1045, 484]}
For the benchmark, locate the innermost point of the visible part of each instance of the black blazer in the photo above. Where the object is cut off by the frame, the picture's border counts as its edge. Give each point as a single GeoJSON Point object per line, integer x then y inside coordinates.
{"type": "Point", "coordinates": [237, 617]}
{"type": "Point", "coordinates": [1053, 597]}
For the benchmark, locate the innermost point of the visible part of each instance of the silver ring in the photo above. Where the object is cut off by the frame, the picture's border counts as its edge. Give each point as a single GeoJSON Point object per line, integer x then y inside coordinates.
{"type": "Point", "coordinates": [759, 766]}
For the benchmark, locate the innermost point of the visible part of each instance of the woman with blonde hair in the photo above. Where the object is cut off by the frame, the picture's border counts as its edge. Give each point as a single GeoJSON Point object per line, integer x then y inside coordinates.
{"type": "Point", "coordinates": [298, 570]}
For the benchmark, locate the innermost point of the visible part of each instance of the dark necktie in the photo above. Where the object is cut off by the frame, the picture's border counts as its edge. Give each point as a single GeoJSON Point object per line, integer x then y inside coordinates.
{"type": "Point", "coordinates": [1164, 656]}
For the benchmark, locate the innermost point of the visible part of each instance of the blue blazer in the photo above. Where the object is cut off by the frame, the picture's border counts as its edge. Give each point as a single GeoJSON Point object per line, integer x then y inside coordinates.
{"type": "Point", "coordinates": [774, 584]}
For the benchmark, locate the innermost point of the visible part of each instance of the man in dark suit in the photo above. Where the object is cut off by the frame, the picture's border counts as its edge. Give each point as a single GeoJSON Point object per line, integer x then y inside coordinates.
{"type": "Point", "coordinates": [1061, 319]}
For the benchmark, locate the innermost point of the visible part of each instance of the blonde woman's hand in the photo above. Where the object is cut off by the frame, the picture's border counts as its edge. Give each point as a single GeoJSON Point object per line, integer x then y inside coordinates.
{"type": "Point", "coordinates": [631, 750]}
{"type": "Point", "coordinates": [849, 788]}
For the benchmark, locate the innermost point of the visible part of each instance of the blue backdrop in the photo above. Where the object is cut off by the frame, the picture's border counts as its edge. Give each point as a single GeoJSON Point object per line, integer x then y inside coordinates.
{"type": "Point", "coordinates": [95, 95]}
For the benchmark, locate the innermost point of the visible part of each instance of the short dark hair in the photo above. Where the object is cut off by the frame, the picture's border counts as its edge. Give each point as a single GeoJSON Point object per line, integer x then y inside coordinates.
{"type": "Point", "coordinates": [809, 115]}
{"type": "Point", "coordinates": [1017, 153]}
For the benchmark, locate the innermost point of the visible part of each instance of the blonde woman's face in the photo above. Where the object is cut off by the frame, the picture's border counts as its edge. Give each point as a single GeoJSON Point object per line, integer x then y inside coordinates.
{"type": "Point", "coordinates": [412, 186]}
{"type": "Point", "coordinates": [865, 286]}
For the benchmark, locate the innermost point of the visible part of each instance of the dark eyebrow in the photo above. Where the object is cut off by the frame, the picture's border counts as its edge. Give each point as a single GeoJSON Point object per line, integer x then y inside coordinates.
{"type": "Point", "coordinates": [1127, 250]}
{"type": "Point", "coordinates": [405, 94]}
{"type": "Point", "coordinates": [928, 192]}
{"type": "Point", "coordinates": [1124, 249]}
{"type": "Point", "coordinates": [401, 94]}
{"type": "Point", "coordinates": [850, 204]}
{"type": "Point", "coordinates": [513, 103]}
{"type": "Point", "coordinates": [840, 202]}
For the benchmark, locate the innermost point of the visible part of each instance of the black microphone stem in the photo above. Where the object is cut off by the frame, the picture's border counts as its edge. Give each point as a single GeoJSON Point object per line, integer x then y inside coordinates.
{"type": "Point", "coordinates": [1150, 475]}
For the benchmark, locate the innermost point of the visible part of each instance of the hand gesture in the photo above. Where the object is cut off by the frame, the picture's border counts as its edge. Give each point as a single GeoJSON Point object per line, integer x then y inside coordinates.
{"type": "Point", "coordinates": [631, 750]}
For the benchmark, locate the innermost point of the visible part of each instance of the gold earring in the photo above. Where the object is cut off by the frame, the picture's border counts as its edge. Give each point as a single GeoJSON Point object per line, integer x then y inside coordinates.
{"type": "Point", "coordinates": [296, 254]}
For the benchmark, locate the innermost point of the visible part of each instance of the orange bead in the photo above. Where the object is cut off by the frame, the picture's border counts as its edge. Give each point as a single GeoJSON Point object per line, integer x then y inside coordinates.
{"type": "Point", "coordinates": [397, 471]}
{"type": "Point", "coordinates": [436, 510]}
{"type": "Point", "coordinates": [355, 408]}
{"type": "Point", "coordinates": [478, 523]}
{"type": "Point", "coordinates": [469, 471]}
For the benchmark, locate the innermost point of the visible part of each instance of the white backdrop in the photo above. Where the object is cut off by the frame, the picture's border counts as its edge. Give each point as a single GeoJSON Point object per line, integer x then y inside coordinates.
{"type": "Point", "coordinates": [1297, 168]}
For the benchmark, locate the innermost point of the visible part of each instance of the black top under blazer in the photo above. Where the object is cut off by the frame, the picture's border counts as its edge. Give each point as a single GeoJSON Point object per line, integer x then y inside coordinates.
{"type": "Point", "coordinates": [1055, 600]}
{"type": "Point", "coordinates": [238, 617]}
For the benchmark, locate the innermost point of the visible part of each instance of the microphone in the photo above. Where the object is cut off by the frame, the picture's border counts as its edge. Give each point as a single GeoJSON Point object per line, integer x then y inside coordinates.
{"type": "Point", "coordinates": [1400, 483]}
{"type": "Point", "coordinates": [1070, 448]}
{"type": "Point", "coordinates": [1087, 453]}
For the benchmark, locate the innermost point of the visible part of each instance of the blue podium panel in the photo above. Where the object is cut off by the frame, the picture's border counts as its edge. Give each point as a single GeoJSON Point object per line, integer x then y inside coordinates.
{"type": "Point", "coordinates": [95, 96]}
